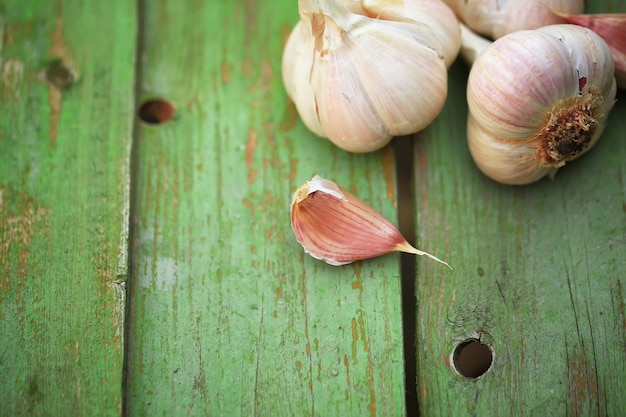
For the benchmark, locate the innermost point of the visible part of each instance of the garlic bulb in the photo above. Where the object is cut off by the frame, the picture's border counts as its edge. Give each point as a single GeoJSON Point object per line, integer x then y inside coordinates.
{"type": "Point", "coordinates": [538, 99]}
{"type": "Point", "coordinates": [496, 18]}
{"type": "Point", "coordinates": [338, 228]}
{"type": "Point", "coordinates": [362, 72]}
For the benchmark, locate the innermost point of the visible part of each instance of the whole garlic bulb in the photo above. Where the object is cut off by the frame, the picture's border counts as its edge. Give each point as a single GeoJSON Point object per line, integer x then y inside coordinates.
{"type": "Point", "coordinates": [538, 99]}
{"type": "Point", "coordinates": [360, 73]}
{"type": "Point", "coordinates": [496, 18]}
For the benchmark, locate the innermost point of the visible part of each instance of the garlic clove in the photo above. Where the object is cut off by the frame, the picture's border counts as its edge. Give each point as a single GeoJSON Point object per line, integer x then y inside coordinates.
{"type": "Point", "coordinates": [443, 34]}
{"type": "Point", "coordinates": [508, 163]}
{"type": "Point", "coordinates": [364, 107]}
{"type": "Point", "coordinates": [299, 61]}
{"type": "Point", "coordinates": [496, 18]}
{"type": "Point", "coordinates": [538, 99]}
{"type": "Point", "coordinates": [338, 228]}
{"type": "Point", "coordinates": [612, 28]}
{"type": "Point", "coordinates": [360, 79]}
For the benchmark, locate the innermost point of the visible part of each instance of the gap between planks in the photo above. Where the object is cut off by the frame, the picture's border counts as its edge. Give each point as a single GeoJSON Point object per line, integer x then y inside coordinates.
{"type": "Point", "coordinates": [403, 150]}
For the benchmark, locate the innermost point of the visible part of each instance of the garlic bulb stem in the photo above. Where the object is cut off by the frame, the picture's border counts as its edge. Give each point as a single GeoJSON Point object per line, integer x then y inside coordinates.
{"type": "Point", "coordinates": [472, 44]}
{"type": "Point", "coordinates": [340, 14]}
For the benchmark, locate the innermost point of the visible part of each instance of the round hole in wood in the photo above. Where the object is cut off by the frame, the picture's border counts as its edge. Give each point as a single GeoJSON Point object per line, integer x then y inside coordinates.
{"type": "Point", "coordinates": [60, 75]}
{"type": "Point", "coordinates": [472, 358]}
{"type": "Point", "coordinates": [156, 111]}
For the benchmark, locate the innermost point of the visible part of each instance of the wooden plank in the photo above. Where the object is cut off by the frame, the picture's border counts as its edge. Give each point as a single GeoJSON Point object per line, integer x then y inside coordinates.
{"type": "Point", "coordinates": [538, 276]}
{"type": "Point", "coordinates": [227, 315]}
{"type": "Point", "coordinates": [64, 181]}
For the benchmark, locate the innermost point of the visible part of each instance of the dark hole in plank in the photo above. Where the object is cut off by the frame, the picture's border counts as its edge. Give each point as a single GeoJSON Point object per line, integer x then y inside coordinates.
{"type": "Point", "coordinates": [472, 358]}
{"type": "Point", "coordinates": [60, 75]}
{"type": "Point", "coordinates": [156, 111]}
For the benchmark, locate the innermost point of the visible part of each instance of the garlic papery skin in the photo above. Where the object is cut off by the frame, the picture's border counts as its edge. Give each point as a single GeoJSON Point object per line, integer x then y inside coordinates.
{"type": "Point", "coordinates": [612, 28]}
{"type": "Point", "coordinates": [432, 15]}
{"type": "Point", "coordinates": [338, 228]}
{"type": "Point", "coordinates": [538, 99]}
{"type": "Point", "coordinates": [359, 80]}
{"type": "Point", "coordinates": [496, 18]}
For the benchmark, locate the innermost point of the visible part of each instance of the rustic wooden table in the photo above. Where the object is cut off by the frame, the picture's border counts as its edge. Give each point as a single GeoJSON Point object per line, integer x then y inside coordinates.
{"type": "Point", "coordinates": [148, 268]}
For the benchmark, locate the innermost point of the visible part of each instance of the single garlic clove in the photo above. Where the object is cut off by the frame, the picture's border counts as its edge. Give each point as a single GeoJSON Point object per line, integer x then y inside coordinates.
{"type": "Point", "coordinates": [538, 99]}
{"type": "Point", "coordinates": [338, 228]}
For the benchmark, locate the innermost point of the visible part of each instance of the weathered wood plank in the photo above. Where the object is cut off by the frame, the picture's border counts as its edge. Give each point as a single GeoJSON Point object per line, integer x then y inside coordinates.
{"type": "Point", "coordinates": [538, 275]}
{"type": "Point", "coordinates": [64, 180]}
{"type": "Point", "coordinates": [227, 315]}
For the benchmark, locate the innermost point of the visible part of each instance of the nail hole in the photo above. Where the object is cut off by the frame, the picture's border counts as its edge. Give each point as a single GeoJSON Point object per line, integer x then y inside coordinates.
{"type": "Point", "coordinates": [472, 358]}
{"type": "Point", "coordinates": [60, 75]}
{"type": "Point", "coordinates": [156, 111]}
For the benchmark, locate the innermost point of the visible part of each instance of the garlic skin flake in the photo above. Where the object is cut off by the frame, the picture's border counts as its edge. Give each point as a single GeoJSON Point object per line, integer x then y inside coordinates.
{"type": "Point", "coordinates": [538, 99]}
{"type": "Point", "coordinates": [338, 228]}
{"type": "Point", "coordinates": [612, 28]}
{"type": "Point", "coordinates": [496, 18]}
{"type": "Point", "coordinates": [362, 72]}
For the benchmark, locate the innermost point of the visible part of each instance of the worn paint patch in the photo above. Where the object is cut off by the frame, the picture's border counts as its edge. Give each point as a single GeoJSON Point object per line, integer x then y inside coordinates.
{"type": "Point", "coordinates": [164, 275]}
{"type": "Point", "coordinates": [278, 292]}
{"type": "Point", "coordinates": [364, 339]}
{"type": "Point", "coordinates": [290, 117]}
{"type": "Point", "coordinates": [250, 147]}
{"type": "Point", "coordinates": [248, 203]}
{"type": "Point", "coordinates": [194, 105]}
{"type": "Point", "coordinates": [12, 75]}
{"type": "Point", "coordinates": [370, 381]}
{"type": "Point", "coordinates": [358, 285]}
{"type": "Point", "coordinates": [584, 392]}
{"type": "Point", "coordinates": [226, 70]}
{"type": "Point", "coordinates": [355, 339]}
{"type": "Point", "coordinates": [19, 219]}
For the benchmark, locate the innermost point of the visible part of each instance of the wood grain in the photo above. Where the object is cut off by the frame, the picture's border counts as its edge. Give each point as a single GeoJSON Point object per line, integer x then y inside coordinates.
{"type": "Point", "coordinates": [228, 316]}
{"type": "Point", "coordinates": [538, 276]}
{"type": "Point", "coordinates": [65, 133]}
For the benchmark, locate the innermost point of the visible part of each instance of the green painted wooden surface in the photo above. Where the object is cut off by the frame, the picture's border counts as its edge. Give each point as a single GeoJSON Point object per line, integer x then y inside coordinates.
{"type": "Point", "coordinates": [64, 199]}
{"type": "Point", "coordinates": [226, 315]}
{"type": "Point", "coordinates": [539, 275]}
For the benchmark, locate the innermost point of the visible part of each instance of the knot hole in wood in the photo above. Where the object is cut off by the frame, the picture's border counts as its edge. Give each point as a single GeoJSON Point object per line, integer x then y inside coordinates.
{"type": "Point", "coordinates": [156, 111]}
{"type": "Point", "coordinates": [472, 358]}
